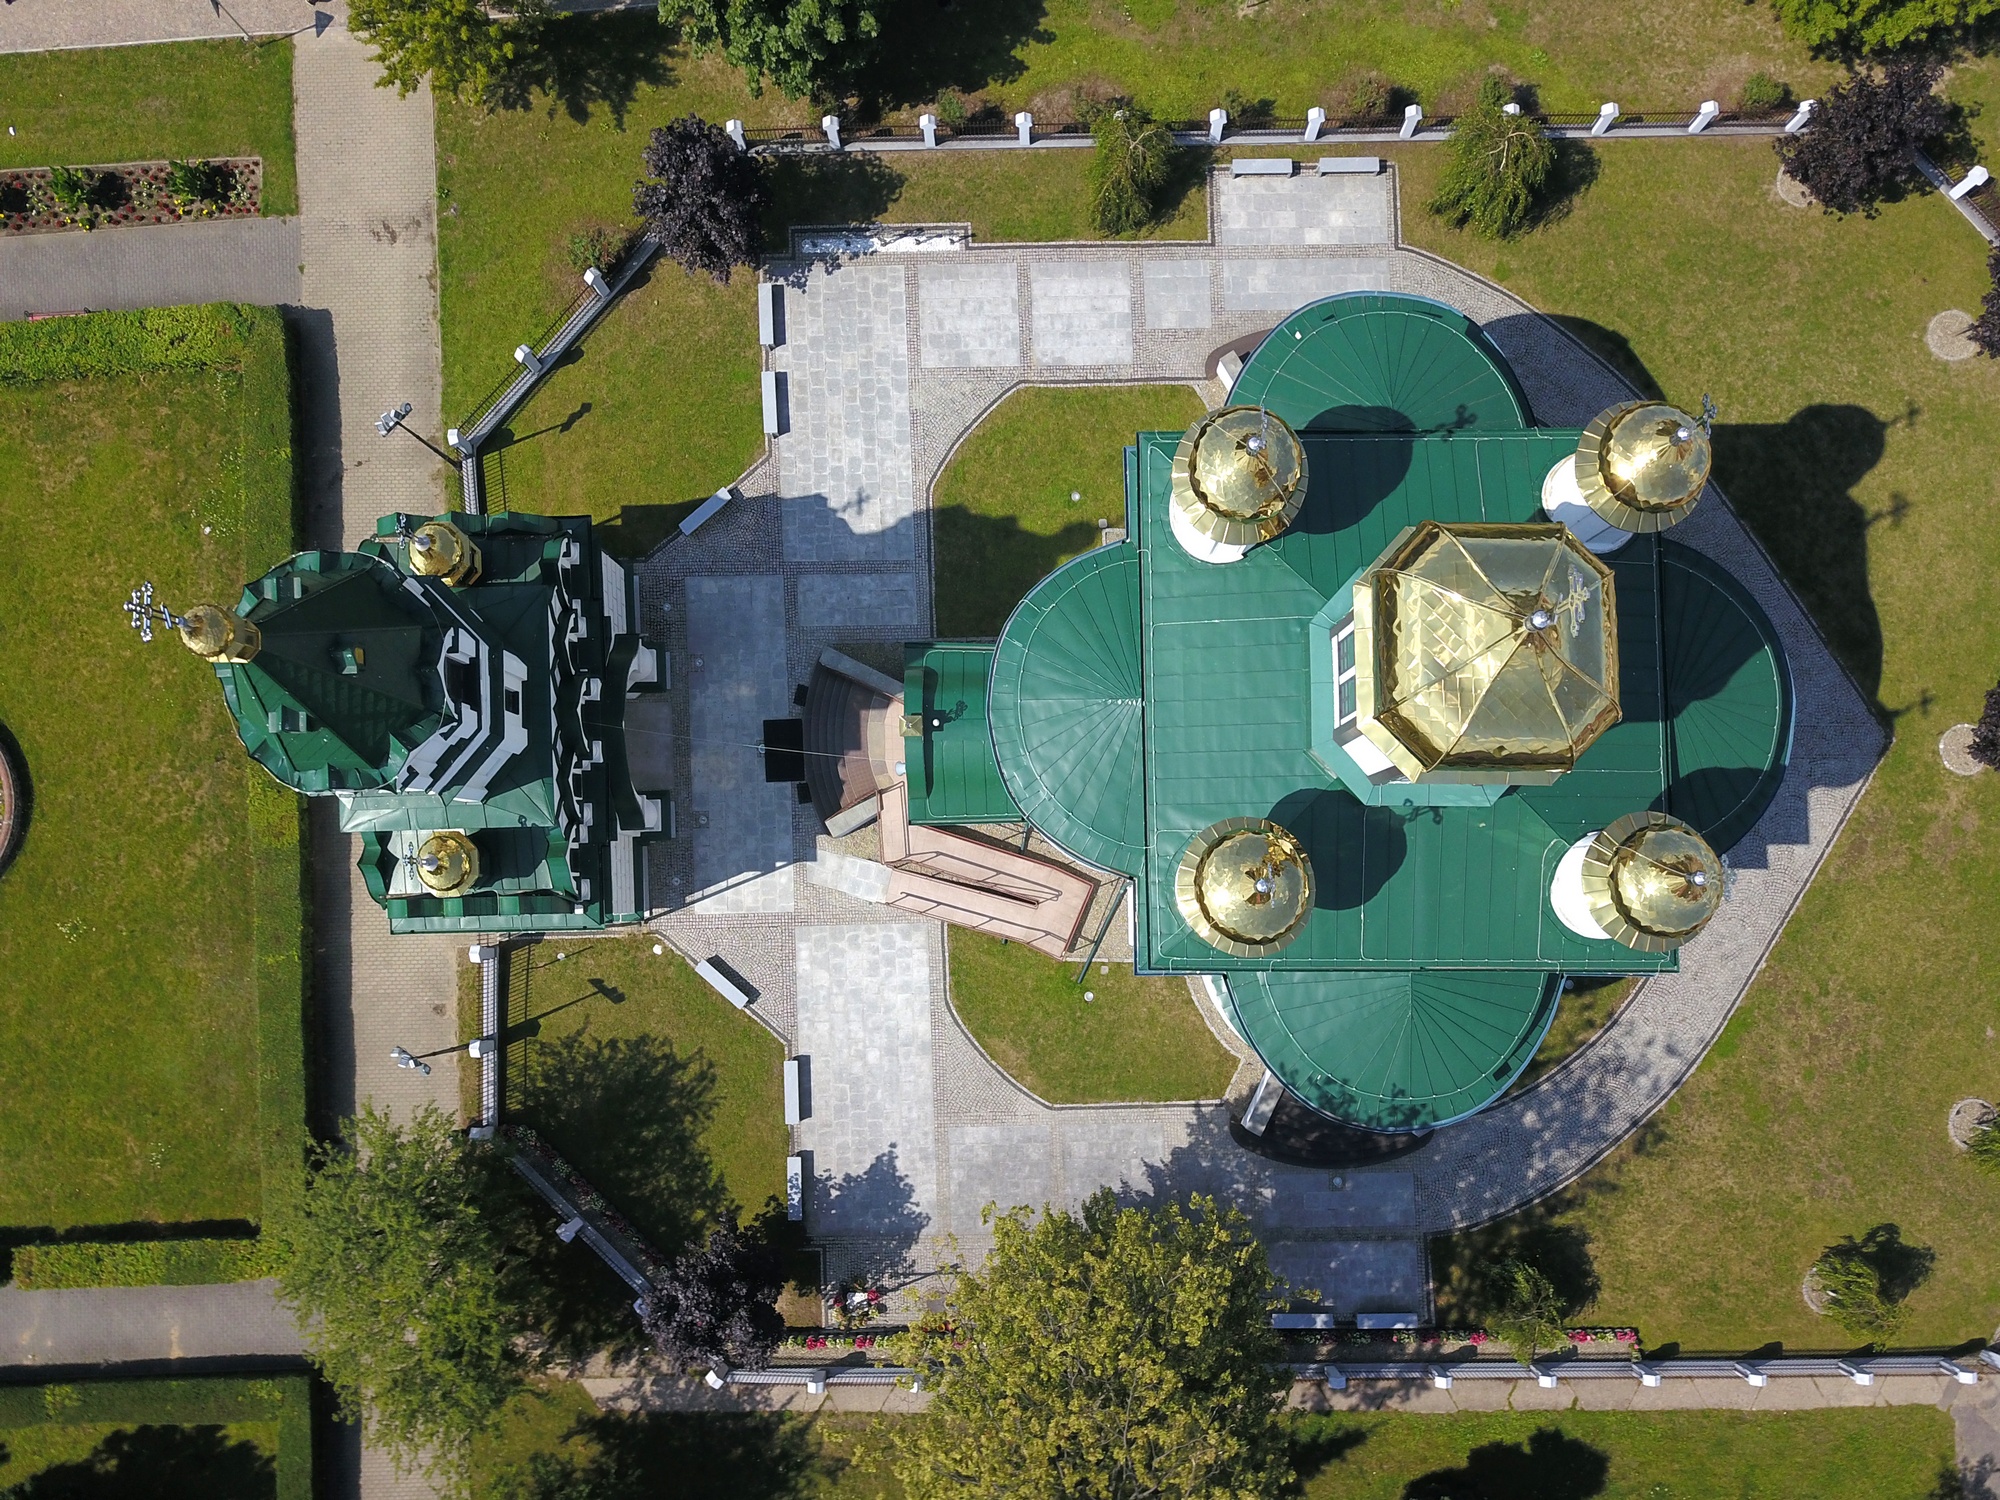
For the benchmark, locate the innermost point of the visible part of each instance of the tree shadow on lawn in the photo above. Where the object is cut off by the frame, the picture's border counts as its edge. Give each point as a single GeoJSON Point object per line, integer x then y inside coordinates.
{"type": "Point", "coordinates": [1317, 1441]}
{"type": "Point", "coordinates": [987, 564]}
{"type": "Point", "coordinates": [827, 188]}
{"type": "Point", "coordinates": [762, 1456]}
{"type": "Point", "coordinates": [1899, 1266]}
{"type": "Point", "coordinates": [936, 45]}
{"type": "Point", "coordinates": [166, 1463]}
{"type": "Point", "coordinates": [581, 63]}
{"type": "Point", "coordinates": [1549, 1466]}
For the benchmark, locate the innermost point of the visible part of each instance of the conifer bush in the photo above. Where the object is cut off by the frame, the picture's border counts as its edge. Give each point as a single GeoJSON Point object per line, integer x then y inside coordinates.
{"type": "Point", "coordinates": [1498, 167]}
{"type": "Point", "coordinates": [1134, 160]}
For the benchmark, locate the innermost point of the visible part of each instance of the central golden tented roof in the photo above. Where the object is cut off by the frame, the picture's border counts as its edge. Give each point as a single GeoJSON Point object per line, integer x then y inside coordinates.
{"type": "Point", "coordinates": [1485, 653]}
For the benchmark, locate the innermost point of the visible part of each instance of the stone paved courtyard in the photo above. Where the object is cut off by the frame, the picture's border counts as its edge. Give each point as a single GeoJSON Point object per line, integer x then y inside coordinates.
{"type": "Point", "coordinates": [889, 360]}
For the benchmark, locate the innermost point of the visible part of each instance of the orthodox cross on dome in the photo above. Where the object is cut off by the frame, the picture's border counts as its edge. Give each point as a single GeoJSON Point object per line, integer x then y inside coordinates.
{"type": "Point", "coordinates": [141, 612]}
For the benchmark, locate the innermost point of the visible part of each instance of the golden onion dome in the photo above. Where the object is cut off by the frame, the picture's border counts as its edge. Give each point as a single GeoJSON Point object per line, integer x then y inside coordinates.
{"type": "Point", "coordinates": [1651, 882]}
{"type": "Point", "coordinates": [1641, 465]}
{"type": "Point", "coordinates": [448, 863]}
{"type": "Point", "coordinates": [440, 550]}
{"type": "Point", "coordinates": [1239, 476]}
{"type": "Point", "coordinates": [1485, 653]}
{"type": "Point", "coordinates": [1245, 885]}
{"type": "Point", "coordinates": [216, 634]}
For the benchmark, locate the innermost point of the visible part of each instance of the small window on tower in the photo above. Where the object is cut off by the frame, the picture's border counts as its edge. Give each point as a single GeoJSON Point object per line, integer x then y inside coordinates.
{"type": "Point", "coordinates": [1344, 674]}
{"type": "Point", "coordinates": [514, 703]}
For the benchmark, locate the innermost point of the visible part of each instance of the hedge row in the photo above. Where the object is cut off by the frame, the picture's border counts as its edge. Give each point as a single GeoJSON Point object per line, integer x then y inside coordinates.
{"type": "Point", "coordinates": [220, 1399]}
{"type": "Point", "coordinates": [79, 1263]}
{"type": "Point", "coordinates": [128, 343]}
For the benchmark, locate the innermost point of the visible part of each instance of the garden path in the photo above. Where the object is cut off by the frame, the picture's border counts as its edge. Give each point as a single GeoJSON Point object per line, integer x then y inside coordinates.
{"type": "Point", "coordinates": [229, 260]}
{"type": "Point", "coordinates": [145, 1325]}
{"type": "Point", "coordinates": [52, 25]}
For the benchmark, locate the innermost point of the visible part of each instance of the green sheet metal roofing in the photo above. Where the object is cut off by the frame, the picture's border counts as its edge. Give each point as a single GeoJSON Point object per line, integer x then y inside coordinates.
{"type": "Point", "coordinates": [1139, 695]}
{"type": "Point", "coordinates": [953, 778]}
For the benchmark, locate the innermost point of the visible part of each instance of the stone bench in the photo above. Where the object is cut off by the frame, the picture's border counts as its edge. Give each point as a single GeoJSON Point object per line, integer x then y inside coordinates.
{"type": "Point", "coordinates": [1356, 166]}
{"type": "Point", "coordinates": [1262, 166]}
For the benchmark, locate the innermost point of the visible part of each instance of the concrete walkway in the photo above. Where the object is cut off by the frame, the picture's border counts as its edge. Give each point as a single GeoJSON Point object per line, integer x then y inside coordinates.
{"type": "Point", "coordinates": [233, 260]}
{"type": "Point", "coordinates": [53, 25]}
{"type": "Point", "coordinates": [145, 1325]}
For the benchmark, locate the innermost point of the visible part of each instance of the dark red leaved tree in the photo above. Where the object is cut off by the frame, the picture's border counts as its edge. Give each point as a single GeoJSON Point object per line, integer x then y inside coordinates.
{"type": "Point", "coordinates": [704, 200]}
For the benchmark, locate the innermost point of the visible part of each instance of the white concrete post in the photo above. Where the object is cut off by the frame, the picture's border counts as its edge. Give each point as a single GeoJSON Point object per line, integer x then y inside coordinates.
{"type": "Point", "coordinates": [831, 125]}
{"type": "Point", "coordinates": [714, 1380]}
{"type": "Point", "coordinates": [928, 125]}
{"type": "Point", "coordinates": [1798, 121]}
{"type": "Point", "coordinates": [1413, 116]}
{"type": "Point", "coordinates": [1974, 180]}
{"type": "Point", "coordinates": [1606, 114]}
{"type": "Point", "coordinates": [735, 129]}
{"type": "Point", "coordinates": [1510, 108]}
{"type": "Point", "coordinates": [1856, 1374]}
{"type": "Point", "coordinates": [1958, 1372]}
{"type": "Point", "coordinates": [1024, 124]}
{"type": "Point", "coordinates": [594, 279]}
{"type": "Point", "coordinates": [1217, 119]}
{"type": "Point", "coordinates": [1704, 117]}
{"type": "Point", "coordinates": [1315, 121]}
{"type": "Point", "coordinates": [1546, 1379]}
{"type": "Point", "coordinates": [525, 357]}
{"type": "Point", "coordinates": [1440, 1377]}
{"type": "Point", "coordinates": [1752, 1375]}
{"type": "Point", "coordinates": [1647, 1375]}
{"type": "Point", "coordinates": [456, 443]}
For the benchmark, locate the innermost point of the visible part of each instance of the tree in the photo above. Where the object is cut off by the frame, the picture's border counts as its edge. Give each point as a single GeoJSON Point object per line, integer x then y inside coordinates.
{"type": "Point", "coordinates": [706, 199]}
{"type": "Point", "coordinates": [1135, 156]}
{"type": "Point", "coordinates": [1985, 332]}
{"type": "Point", "coordinates": [1852, 1285]}
{"type": "Point", "coordinates": [715, 1305]}
{"type": "Point", "coordinates": [1497, 166]}
{"type": "Point", "coordinates": [1984, 1148]}
{"type": "Point", "coordinates": [816, 47]}
{"type": "Point", "coordinates": [1986, 733]}
{"type": "Point", "coordinates": [1531, 1319]}
{"type": "Point", "coordinates": [397, 1267]}
{"type": "Point", "coordinates": [1120, 1353]}
{"type": "Point", "coordinates": [1847, 27]}
{"type": "Point", "coordinates": [462, 46]}
{"type": "Point", "coordinates": [1861, 143]}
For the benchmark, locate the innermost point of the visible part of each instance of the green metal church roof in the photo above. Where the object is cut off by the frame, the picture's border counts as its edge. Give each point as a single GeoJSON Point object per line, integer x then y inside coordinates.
{"type": "Point", "coordinates": [954, 777]}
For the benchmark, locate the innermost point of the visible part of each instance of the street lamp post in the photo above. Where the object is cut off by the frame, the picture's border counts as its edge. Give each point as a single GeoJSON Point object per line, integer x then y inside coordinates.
{"type": "Point", "coordinates": [397, 416]}
{"type": "Point", "coordinates": [404, 1058]}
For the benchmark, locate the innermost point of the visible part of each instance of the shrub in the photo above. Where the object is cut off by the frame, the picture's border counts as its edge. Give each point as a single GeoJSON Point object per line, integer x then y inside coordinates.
{"type": "Point", "coordinates": [716, 1305]}
{"type": "Point", "coordinates": [74, 190]}
{"type": "Point", "coordinates": [598, 247]}
{"type": "Point", "coordinates": [1984, 1148]}
{"type": "Point", "coordinates": [950, 109]}
{"type": "Point", "coordinates": [1762, 94]}
{"type": "Point", "coordinates": [1135, 156]}
{"type": "Point", "coordinates": [816, 47]}
{"type": "Point", "coordinates": [86, 1263]}
{"type": "Point", "coordinates": [1532, 1317]}
{"type": "Point", "coordinates": [1246, 113]}
{"type": "Point", "coordinates": [1854, 1298]}
{"type": "Point", "coordinates": [1859, 147]}
{"type": "Point", "coordinates": [465, 47]}
{"type": "Point", "coordinates": [1854, 26]}
{"type": "Point", "coordinates": [1368, 97]}
{"type": "Point", "coordinates": [1497, 169]}
{"type": "Point", "coordinates": [706, 199]}
{"type": "Point", "coordinates": [197, 185]}
{"type": "Point", "coordinates": [1986, 733]}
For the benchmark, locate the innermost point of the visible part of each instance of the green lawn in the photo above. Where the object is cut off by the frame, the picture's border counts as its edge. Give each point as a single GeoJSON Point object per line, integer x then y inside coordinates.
{"type": "Point", "coordinates": [182, 99]}
{"type": "Point", "coordinates": [229, 1438]}
{"type": "Point", "coordinates": [665, 1099]}
{"type": "Point", "coordinates": [1871, 1454]}
{"type": "Point", "coordinates": [1138, 1039]}
{"type": "Point", "coordinates": [151, 1062]}
{"type": "Point", "coordinates": [1865, 465]}
{"type": "Point", "coordinates": [1002, 516]}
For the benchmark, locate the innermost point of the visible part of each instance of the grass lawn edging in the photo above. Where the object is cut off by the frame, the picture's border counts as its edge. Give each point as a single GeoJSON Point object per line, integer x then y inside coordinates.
{"type": "Point", "coordinates": [256, 341]}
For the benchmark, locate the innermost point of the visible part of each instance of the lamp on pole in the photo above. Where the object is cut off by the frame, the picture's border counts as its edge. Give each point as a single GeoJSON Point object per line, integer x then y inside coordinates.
{"type": "Point", "coordinates": [395, 417]}
{"type": "Point", "coordinates": [404, 1058]}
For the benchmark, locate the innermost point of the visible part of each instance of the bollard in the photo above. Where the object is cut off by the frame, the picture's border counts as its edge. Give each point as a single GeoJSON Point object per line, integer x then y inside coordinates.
{"type": "Point", "coordinates": [1024, 123]}
{"type": "Point", "coordinates": [1704, 117]}
{"type": "Point", "coordinates": [1440, 1377]}
{"type": "Point", "coordinates": [525, 357]}
{"type": "Point", "coordinates": [1751, 1374]}
{"type": "Point", "coordinates": [594, 279]}
{"type": "Point", "coordinates": [1217, 118]}
{"type": "Point", "coordinates": [1413, 116]}
{"type": "Point", "coordinates": [1315, 119]}
{"type": "Point", "coordinates": [735, 129]}
{"type": "Point", "coordinates": [928, 125]}
{"type": "Point", "coordinates": [831, 125]}
{"type": "Point", "coordinates": [1606, 113]}
{"type": "Point", "coordinates": [1856, 1373]}
{"type": "Point", "coordinates": [1974, 180]}
{"type": "Point", "coordinates": [1510, 108]}
{"type": "Point", "coordinates": [714, 1380]}
{"type": "Point", "coordinates": [1647, 1375]}
{"type": "Point", "coordinates": [457, 444]}
{"type": "Point", "coordinates": [1798, 121]}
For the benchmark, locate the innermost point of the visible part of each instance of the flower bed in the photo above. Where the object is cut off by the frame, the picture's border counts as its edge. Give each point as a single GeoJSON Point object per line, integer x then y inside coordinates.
{"type": "Point", "coordinates": [1438, 1343]}
{"type": "Point", "coordinates": [127, 193]}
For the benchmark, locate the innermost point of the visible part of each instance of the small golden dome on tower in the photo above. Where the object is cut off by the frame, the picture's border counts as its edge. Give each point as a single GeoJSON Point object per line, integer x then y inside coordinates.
{"type": "Point", "coordinates": [448, 863]}
{"type": "Point", "coordinates": [440, 550]}
{"type": "Point", "coordinates": [1239, 476]}
{"type": "Point", "coordinates": [216, 634]}
{"type": "Point", "coordinates": [1651, 882]}
{"type": "Point", "coordinates": [1245, 885]}
{"type": "Point", "coordinates": [1641, 465]}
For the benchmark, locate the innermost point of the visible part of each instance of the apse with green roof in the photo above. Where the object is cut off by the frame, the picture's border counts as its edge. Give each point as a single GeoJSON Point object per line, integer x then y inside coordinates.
{"type": "Point", "coordinates": [1344, 658]}
{"type": "Point", "coordinates": [457, 685]}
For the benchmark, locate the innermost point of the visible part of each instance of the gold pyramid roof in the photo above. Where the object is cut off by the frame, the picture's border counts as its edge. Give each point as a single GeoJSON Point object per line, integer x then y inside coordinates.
{"type": "Point", "coordinates": [1485, 653]}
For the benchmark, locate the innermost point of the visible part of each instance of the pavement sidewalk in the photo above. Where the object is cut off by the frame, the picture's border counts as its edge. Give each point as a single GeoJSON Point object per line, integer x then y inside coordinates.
{"type": "Point", "coordinates": [56, 25]}
{"type": "Point", "coordinates": [235, 260]}
{"type": "Point", "coordinates": [241, 1321]}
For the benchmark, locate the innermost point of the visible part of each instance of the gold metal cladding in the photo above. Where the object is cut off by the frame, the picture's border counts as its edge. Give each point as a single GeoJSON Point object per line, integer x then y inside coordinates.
{"type": "Point", "coordinates": [1485, 654]}
{"type": "Point", "coordinates": [1245, 885]}
{"type": "Point", "coordinates": [447, 863]}
{"type": "Point", "coordinates": [216, 634]}
{"type": "Point", "coordinates": [440, 550]}
{"type": "Point", "coordinates": [1239, 476]}
{"type": "Point", "coordinates": [1651, 881]}
{"type": "Point", "coordinates": [1641, 465]}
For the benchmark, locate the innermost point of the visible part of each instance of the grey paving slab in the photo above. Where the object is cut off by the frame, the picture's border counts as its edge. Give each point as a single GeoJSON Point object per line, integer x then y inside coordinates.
{"type": "Point", "coordinates": [969, 314]}
{"type": "Point", "coordinates": [166, 265]}
{"type": "Point", "coordinates": [1975, 1420]}
{"type": "Point", "coordinates": [1177, 292]}
{"type": "Point", "coordinates": [1258, 284]}
{"type": "Point", "coordinates": [864, 1018]}
{"type": "Point", "coordinates": [844, 464]}
{"type": "Point", "coordinates": [1081, 311]}
{"type": "Point", "coordinates": [868, 603]}
{"type": "Point", "coordinates": [740, 824]}
{"type": "Point", "coordinates": [52, 25]}
{"type": "Point", "coordinates": [1356, 1276]}
{"type": "Point", "coordinates": [117, 1325]}
{"type": "Point", "coordinates": [1304, 210]}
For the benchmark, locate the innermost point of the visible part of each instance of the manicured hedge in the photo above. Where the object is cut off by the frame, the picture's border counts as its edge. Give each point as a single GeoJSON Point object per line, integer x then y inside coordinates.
{"type": "Point", "coordinates": [129, 343]}
{"type": "Point", "coordinates": [79, 1263]}
{"type": "Point", "coordinates": [219, 1399]}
